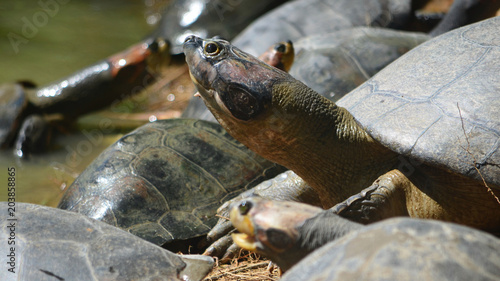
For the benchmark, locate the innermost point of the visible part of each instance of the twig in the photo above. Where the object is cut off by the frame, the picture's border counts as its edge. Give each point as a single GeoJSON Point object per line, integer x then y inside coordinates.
{"type": "Point", "coordinates": [474, 163]}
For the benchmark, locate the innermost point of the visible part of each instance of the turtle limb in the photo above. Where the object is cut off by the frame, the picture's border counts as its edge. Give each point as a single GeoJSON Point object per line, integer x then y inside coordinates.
{"type": "Point", "coordinates": [33, 136]}
{"type": "Point", "coordinates": [287, 186]}
{"type": "Point", "coordinates": [385, 198]}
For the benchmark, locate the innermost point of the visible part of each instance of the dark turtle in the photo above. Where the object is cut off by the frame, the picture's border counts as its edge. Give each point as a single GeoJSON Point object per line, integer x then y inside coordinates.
{"type": "Point", "coordinates": [280, 55]}
{"type": "Point", "coordinates": [165, 180]}
{"type": "Point", "coordinates": [433, 158]}
{"type": "Point", "coordinates": [393, 249]}
{"type": "Point", "coordinates": [87, 90]}
{"type": "Point", "coordinates": [225, 18]}
{"type": "Point", "coordinates": [43, 243]}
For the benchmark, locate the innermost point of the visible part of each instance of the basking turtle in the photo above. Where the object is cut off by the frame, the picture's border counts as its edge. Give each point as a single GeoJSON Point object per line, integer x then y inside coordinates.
{"type": "Point", "coordinates": [165, 180]}
{"type": "Point", "coordinates": [280, 55]}
{"type": "Point", "coordinates": [393, 249]}
{"type": "Point", "coordinates": [51, 244]}
{"type": "Point", "coordinates": [432, 157]}
{"type": "Point", "coordinates": [87, 90]}
{"type": "Point", "coordinates": [224, 18]}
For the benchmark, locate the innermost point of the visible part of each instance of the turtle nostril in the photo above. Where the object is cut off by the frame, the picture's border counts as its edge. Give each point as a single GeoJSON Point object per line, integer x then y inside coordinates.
{"type": "Point", "coordinates": [244, 207]}
{"type": "Point", "coordinates": [190, 38]}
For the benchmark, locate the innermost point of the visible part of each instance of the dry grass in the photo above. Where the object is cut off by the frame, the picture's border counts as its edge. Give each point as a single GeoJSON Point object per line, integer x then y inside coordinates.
{"type": "Point", "coordinates": [247, 266]}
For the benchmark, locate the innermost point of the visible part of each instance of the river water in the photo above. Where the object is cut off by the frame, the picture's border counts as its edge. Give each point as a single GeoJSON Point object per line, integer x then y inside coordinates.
{"type": "Point", "coordinates": [46, 40]}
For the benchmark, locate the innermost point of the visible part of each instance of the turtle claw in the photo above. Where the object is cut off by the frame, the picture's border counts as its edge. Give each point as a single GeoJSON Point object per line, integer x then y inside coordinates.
{"type": "Point", "coordinates": [222, 228]}
{"type": "Point", "coordinates": [383, 199]}
{"type": "Point", "coordinates": [230, 253]}
{"type": "Point", "coordinates": [221, 248]}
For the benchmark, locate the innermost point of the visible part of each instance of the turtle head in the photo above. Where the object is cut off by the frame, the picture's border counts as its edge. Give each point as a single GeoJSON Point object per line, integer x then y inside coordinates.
{"type": "Point", "coordinates": [285, 232]}
{"type": "Point", "coordinates": [281, 55]}
{"type": "Point", "coordinates": [221, 71]}
{"type": "Point", "coordinates": [259, 105]}
{"type": "Point", "coordinates": [151, 55]}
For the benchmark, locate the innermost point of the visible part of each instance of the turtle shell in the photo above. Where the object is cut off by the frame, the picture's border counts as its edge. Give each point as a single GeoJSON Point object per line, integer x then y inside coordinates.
{"type": "Point", "coordinates": [166, 179]}
{"type": "Point", "coordinates": [54, 244]}
{"type": "Point", "coordinates": [440, 102]}
{"type": "Point", "coordinates": [333, 64]}
{"type": "Point", "coordinates": [292, 21]}
{"type": "Point", "coordinates": [404, 249]}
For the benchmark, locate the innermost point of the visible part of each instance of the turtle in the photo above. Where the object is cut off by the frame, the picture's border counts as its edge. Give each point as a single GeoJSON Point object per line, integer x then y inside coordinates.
{"type": "Point", "coordinates": [224, 18]}
{"type": "Point", "coordinates": [165, 180]}
{"type": "Point", "coordinates": [45, 243]}
{"type": "Point", "coordinates": [420, 138]}
{"type": "Point", "coordinates": [87, 90]}
{"type": "Point", "coordinates": [310, 243]}
{"type": "Point", "coordinates": [280, 55]}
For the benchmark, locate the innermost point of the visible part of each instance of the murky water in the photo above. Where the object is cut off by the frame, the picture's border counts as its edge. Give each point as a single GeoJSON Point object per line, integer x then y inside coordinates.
{"type": "Point", "coordinates": [43, 41]}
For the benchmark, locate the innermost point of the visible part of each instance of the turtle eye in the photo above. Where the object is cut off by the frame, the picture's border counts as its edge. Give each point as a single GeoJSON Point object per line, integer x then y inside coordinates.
{"type": "Point", "coordinates": [212, 49]}
{"type": "Point", "coordinates": [280, 48]}
{"type": "Point", "coordinates": [244, 207]}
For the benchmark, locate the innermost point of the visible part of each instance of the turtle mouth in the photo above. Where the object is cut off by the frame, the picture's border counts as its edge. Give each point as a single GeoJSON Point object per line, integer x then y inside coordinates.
{"type": "Point", "coordinates": [245, 239]}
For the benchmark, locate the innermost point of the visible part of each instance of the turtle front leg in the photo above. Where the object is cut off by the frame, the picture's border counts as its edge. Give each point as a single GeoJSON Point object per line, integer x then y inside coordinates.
{"type": "Point", "coordinates": [385, 198]}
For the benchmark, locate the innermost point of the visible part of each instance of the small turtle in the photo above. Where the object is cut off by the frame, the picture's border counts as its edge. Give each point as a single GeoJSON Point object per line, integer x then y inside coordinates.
{"type": "Point", "coordinates": [43, 243]}
{"type": "Point", "coordinates": [280, 55]}
{"type": "Point", "coordinates": [393, 249]}
{"type": "Point", "coordinates": [164, 181]}
{"type": "Point", "coordinates": [433, 159]}
{"type": "Point", "coordinates": [87, 90]}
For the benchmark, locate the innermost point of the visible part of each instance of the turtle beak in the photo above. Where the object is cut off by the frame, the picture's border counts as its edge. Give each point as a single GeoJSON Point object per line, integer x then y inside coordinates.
{"type": "Point", "coordinates": [241, 221]}
{"type": "Point", "coordinates": [202, 72]}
